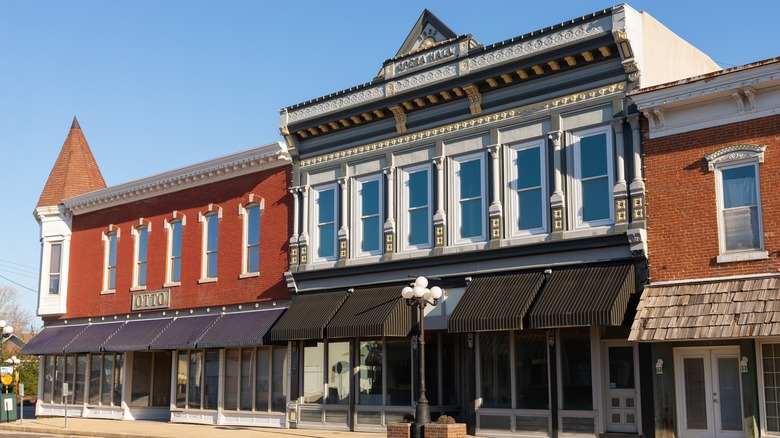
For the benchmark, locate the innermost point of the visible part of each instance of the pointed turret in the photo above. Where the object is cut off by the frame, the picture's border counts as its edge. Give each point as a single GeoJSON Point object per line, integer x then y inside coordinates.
{"type": "Point", "coordinates": [74, 173]}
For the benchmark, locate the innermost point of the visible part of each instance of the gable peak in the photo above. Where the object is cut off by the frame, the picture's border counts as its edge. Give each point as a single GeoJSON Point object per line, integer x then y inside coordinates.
{"type": "Point", "coordinates": [427, 31]}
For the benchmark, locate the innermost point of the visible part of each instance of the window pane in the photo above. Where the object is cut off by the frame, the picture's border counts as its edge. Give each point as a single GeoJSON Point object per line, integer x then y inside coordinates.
{"type": "Point", "coordinates": [739, 186]}
{"type": "Point", "coordinates": [576, 370]}
{"type": "Point", "coordinates": [338, 373]}
{"type": "Point", "coordinates": [279, 380]}
{"type": "Point", "coordinates": [212, 232]}
{"type": "Point", "coordinates": [54, 263]}
{"type": "Point", "coordinates": [432, 368]}
{"type": "Point", "coordinates": [59, 378]}
{"type": "Point", "coordinates": [262, 378]}
{"type": "Point", "coordinates": [212, 265]}
{"type": "Point", "coordinates": [326, 206]}
{"type": "Point", "coordinates": [595, 199]}
{"type": "Point", "coordinates": [370, 374]}
{"type": "Point", "coordinates": [107, 382]}
{"type": "Point", "coordinates": [181, 380]}
{"type": "Point", "coordinates": [142, 370]}
{"type": "Point", "coordinates": [54, 284]}
{"type": "Point", "coordinates": [621, 367]}
{"type": "Point", "coordinates": [176, 273]}
{"type": "Point", "coordinates": [470, 179]}
{"type": "Point", "coordinates": [70, 376]}
{"type": "Point", "coordinates": [253, 259]}
{"type": "Point", "coordinates": [142, 274]}
{"type": "Point", "coordinates": [81, 377]}
{"type": "Point", "coordinates": [48, 378]}
{"type": "Point", "coordinates": [231, 379]}
{"type": "Point", "coordinates": [369, 198]}
{"type": "Point", "coordinates": [247, 367]}
{"type": "Point", "coordinates": [528, 168]}
{"type": "Point", "coordinates": [449, 368]}
{"type": "Point", "coordinates": [531, 370]}
{"type": "Point", "coordinates": [312, 372]}
{"type": "Point", "coordinates": [327, 247]}
{"type": "Point", "coordinates": [176, 239]}
{"type": "Point", "coordinates": [418, 226]}
{"type": "Point", "coordinates": [371, 234]}
{"type": "Point", "coordinates": [418, 189]}
{"type": "Point", "coordinates": [471, 218]}
{"type": "Point", "coordinates": [695, 393]}
{"type": "Point", "coordinates": [161, 387]}
{"type": "Point", "coordinates": [495, 364]}
{"type": "Point", "coordinates": [118, 378]}
{"type": "Point", "coordinates": [112, 278]}
{"type": "Point", "coordinates": [593, 156]}
{"type": "Point", "coordinates": [740, 226]}
{"type": "Point", "coordinates": [399, 372]}
{"type": "Point", "coordinates": [211, 382]}
{"type": "Point", "coordinates": [253, 226]}
{"type": "Point", "coordinates": [530, 209]}
{"type": "Point", "coordinates": [112, 250]}
{"type": "Point", "coordinates": [730, 393]}
{"type": "Point", "coordinates": [95, 368]}
{"type": "Point", "coordinates": [771, 385]}
{"type": "Point", "coordinates": [195, 379]}
{"type": "Point", "coordinates": [143, 243]}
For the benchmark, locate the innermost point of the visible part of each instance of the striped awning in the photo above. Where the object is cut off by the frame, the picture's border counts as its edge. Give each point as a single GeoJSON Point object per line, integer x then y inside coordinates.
{"type": "Point", "coordinates": [52, 340]}
{"type": "Point", "coordinates": [136, 335]}
{"type": "Point", "coordinates": [308, 316]}
{"type": "Point", "coordinates": [372, 312]}
{"type": "Point", "coordinates": [91, 339]}
{"type": "Point", "coordinates": [239, 329]}
{"type": "Point", "coordinates": [496, 302]}
{"type": "Point", "coordinates": [584, 295]}
{"type": "Point", "coordinates": [183, 332]}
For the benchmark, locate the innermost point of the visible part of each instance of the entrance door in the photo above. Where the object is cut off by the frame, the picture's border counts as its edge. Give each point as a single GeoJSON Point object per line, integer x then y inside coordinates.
{"type": "Point", "coordinates": [621, 400]}
{"type": "Point", "coordinates": [709, 393]}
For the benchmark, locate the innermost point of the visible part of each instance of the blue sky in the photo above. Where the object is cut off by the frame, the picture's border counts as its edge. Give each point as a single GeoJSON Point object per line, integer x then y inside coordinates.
{"type": "Point", "coordinates": [158, 85]}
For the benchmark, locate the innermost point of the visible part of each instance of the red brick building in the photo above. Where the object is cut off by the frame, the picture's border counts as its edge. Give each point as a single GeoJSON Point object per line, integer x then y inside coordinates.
{"type": "Point", "coordinates": [711, 311]}
{"type": "Point", "coordinates": [157, 294]}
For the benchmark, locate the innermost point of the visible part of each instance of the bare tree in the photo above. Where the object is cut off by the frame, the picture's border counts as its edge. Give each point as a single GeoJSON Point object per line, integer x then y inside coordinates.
{"type": "Point", "coordinates": [12, 312]}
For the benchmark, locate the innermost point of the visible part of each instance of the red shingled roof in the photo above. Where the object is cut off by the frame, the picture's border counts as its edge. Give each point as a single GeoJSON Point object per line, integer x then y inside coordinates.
{"type": "Point", "coordinates": [74, 173]}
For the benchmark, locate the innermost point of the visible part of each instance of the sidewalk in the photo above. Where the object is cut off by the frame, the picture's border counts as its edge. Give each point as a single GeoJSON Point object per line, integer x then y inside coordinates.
{"type": "Point", "coordinates": [159, 429]}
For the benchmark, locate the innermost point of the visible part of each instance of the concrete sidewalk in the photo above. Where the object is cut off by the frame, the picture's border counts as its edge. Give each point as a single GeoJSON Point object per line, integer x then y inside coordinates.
{"type": "Point", "coordinates": [159, 429]}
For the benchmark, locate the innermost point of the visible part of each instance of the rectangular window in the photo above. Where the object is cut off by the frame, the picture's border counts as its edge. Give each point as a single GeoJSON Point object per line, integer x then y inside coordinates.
{"type": "Point", "coordinates": [151, 379]}
{"type": "Point", "coordinates": [197, 379]}
{"type": "Point", "coordinates": [279, 380]}
{"type": "Point", "coordinates": [593, 177]}
{"type": "Point", "coordinates": [529, 198]}
{"type": "Point", "coordinates": [263, 379]}
{"type": "Point", "coordinates": [531, 370]}
{"type": "Point", "coordinates": [740, 207]}
{"type": "Point", "coordinates": [417, 207]}
{"type": "Point", "coordinates": [399, 372]}
{"type": "Point", "coordinates": [212, 245]}
{"type": "Point", "coordinates": [370, 373]}
{"type": "Point", "coordinates": [576, 377]}
{"type": "Point", "coordinates": [55, 262]}
{"type": "Point", "coordinates": [110, 280]}
{"type": "Point", "coordinates": [470, 198]}
{"type": "Point", "coordinates": [313, 363]}
{"type": "Point", "coordinates": [142, 246]}
{"type": "Point", "coordinates": [174, 262]}
{"type": "Point", "coordinates": [770, 367]}
{"type": "Point", "coordinates": [252, 250]}
{"type": "Point", "coordinates": [338, 366]}
{"type": "Point", "coordinates": [369, 206]}
{"type": "Point", "coordinates": [325, 213]}
{"type": "Point", "coordinates": [495, 368]}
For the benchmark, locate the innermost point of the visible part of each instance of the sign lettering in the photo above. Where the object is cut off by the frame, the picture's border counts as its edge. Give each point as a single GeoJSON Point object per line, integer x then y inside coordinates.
{"type": "Point", "coordinates": [415, 62]}
{"type": "Point", "coordinates": [158, 299]}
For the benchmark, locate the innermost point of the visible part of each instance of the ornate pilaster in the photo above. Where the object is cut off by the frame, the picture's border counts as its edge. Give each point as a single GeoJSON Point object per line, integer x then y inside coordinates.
{"type": "Point", "coordinates": [343, 236]}
{"type": "Point", "coordinates": [637, 187]}
{"type": "Point", "coordinates": [619, 191]}
{"type": "Point", "coordinates": [293, 254]}
{"type": "Point", "coordinates": [475, 99]}
{"type": "Point", "coordinates": [557, 199]}
{"type": "Point", "coordinates": [440, 217]}
{"type": "Point", "coordinates": [400, 118]}
{"type": "Point", "coordinates": [495, 211]}
{"type": "Point", "coordinates": [389, 227]}
{"type": "Point", "coordinates": [303, 239]}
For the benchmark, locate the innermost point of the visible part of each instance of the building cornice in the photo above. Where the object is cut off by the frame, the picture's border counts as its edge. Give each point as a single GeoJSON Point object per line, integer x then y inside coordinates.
{"type": "Point", "coordinates": [207, 172]}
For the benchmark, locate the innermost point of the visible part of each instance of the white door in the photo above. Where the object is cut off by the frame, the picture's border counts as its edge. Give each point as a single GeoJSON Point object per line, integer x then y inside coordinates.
{"type": "Point", "coordinates": [709, 393]}
{"type": "Point", "coordinates": [622, 401]}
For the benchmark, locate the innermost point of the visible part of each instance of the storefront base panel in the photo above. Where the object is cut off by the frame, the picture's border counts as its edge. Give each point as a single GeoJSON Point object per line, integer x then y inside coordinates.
{"type": "Point", "coordinates": [146, 413]}
{"type": "Point", "coordinates": [50, 410]}
{"type": "Point", "coordinates": [108, 413]}
{"type": "Point", "coordinates": [249, 419]}
{"type": "Point", "coordinates": [194, 417]}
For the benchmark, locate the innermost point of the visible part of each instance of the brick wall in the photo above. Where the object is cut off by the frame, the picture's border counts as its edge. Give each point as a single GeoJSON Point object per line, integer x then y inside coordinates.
{"type": "Point", "coordinates": [87, 247]}
{"type": "Point", "coordinates": [681, 200]}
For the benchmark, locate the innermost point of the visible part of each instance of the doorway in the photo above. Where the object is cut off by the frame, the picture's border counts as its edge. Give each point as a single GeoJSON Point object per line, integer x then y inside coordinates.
{"type": "Point", "coordinates": [622, 401]}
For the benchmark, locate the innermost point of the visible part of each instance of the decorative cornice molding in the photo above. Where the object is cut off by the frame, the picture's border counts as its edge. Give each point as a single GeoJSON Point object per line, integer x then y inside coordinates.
{"type": "Point", "coordinates": [485, 120]}
{"type": "Point", "coordinates": [735, 153]}
{"type": "Point", "coordinates": [231, 166]}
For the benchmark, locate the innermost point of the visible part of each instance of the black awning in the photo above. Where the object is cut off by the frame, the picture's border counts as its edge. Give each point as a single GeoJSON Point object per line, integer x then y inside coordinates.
{"type": "Point", "coordinates": [239, 329]}
{"type": "Point", "coordinates": [183, 332]}
{"type": "Point", "coordinates": [92, 338]}
{"type": "Point", "coordinates": [583, 296]}
{"type": "Point", "coordinates": [136, 335]}
{"type": "Point", "coordinates": [495, 302]}
{"type": "Point", "coordinates": [371, 312]}
{"type": "Point", "coordinates": [308, 316]}
{"type": "Point", "coordinates": [52, 340]}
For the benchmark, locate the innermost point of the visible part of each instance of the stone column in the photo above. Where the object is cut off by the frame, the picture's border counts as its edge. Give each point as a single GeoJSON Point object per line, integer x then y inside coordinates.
{"type": "Point", "coordinates": [620, 194]}
{"type": "Point", "coordinates": [293, 255]}
{"type": "Point", "coordinates": [343, 237]}
{"type": "Point", "coordinates": [303, 240]}
{"type": "Point", "coordinates": [495, 212]}
{"type": "Point", "coordinates": [637, 187]}
{"type": "Point", "coordinates": [388, 229]}
{"type": "Point", "coordinates": [440, 217]}
{"type": "Point", "coordinates": [557, 199]}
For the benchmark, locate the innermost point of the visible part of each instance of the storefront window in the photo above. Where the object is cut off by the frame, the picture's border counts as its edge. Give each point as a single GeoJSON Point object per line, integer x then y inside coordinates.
{"type": "Point", "coordinates": [279, 379]}
{"type": "Point", "coordinates": [432, 368]}
{"type": "Point", "coordinates": [48, 379]}
{"type": "Point", "coordinates": [70, 374]}
{"type": "Point", "coordinates": [211, 380]}
{"type": "Point", "coordinates": [197, 379]}
{"type": "Point", "coordinates": [495, 365]}
{"type": "Point", "coordinates": [338, 373]}
{"type": "Point", "coordinates": [449, 369]}
{"type": "Point", "coordinates": [370, 373]}
{"type": "Point", "coordinates": [107, 378]}
{"type": "Point", "coordinates": [313, 353]}
{"type": "Point", "coordinates": [531, 370]}
{"type": "Point", "coordinates": [95, 367]}
{"type": "Point", "coordinates": [118, 379]}
{"type": "Point", "coordinates": [142, 369]}
{"type": "Point", "coordinates": [399, 372]}
{"type": "Point", "coordinates": [247, 357]}
{"type": "Point", "coordinates": [231, 378]}
{"type": "Point", "coordinates": [161, 380]}
{"type": "Point", "coordinates": [576, 370]}
{"type": "Point", "coordinates": [70, 369]}
{"type": "Point", "coordinates": [262, 382]}
{"type": "Point", "coordinates": [181, 380]}
{"type": "Point", "coordinates": [770, 356]}
{"type": "Point", "coordinates": [59, 378]}
{"type": "Point", "coordinates": [151, 379]}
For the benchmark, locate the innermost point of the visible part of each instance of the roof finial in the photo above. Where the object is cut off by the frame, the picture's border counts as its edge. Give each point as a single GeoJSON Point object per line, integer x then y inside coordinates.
{"type": "Point", "coordinates": [75, 124]}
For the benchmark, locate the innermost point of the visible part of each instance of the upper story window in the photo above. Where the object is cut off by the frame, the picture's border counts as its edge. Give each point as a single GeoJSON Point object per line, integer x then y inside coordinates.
{"type": "Point", "coordinates": [55, 267]}
{"type": "Point", "coordinates": [593, 177]}
{"type": "Point", "coordinates": [325, 217]}
{"type": "Point", "coordinates": [141, 251]}
{"type": "Point", "coordinates": [252, 236]}
{"type": "Point", "coordinates": [174, 251]}
{"type": "Point", "coordinates": [469, 198]}
{"type": "Point", "coordinates": [109, 282]}
{"type": "Point", "coordinates": [369, 208]}
{"type": "Point", "coordinates": [211, 245]}
{"type": "Point", "coordinates": [528, 202]}
{"type": "Point", "coordinates": [416, 207]}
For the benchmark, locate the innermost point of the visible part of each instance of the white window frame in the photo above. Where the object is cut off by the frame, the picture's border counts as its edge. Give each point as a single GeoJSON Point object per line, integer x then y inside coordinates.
{"type": "Point", "coordinates": [205, 218]}
{"type": "Point", "coordinates": [577, 209]}
{"type": "Point", "coordinates": [315, 224]}
{"type": "Point", "coordinates": [170, 227]}
{"type": "Point", "coordinates": [748, 254]}
{"type": "Point", "coordinates": [244, 212]}
{"type": "Point", "coordinates": [761, 385]}
{"type": "Point", "coordinates": [513, 193]}
{"type": "Point", "coordinates": [404, 213]}
{"type": "Point", "coordinates": [136, 232]}
{"type": "Point", "coordinates": [107, 237]}
{"type": "Point", "coordinates": [358, 215]}
{"type": "Point", "coordinates": [455, 200]}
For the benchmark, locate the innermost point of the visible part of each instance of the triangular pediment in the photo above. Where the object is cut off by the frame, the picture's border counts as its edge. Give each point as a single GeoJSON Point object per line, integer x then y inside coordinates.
{"type": "Point", "coordinates": [428, 31]}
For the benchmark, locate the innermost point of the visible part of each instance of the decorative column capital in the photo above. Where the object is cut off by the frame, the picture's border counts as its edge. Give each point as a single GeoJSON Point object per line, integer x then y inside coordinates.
{"type": "Point", "coordinates": [494, 150]}
{"type": "Point", "coordinates": [389, 172]}
{"type": "Point", "coordinates": [633, 120]}
{"type": "Point", "coordinates": [438, 162]}
{"type": "Point", "coordinates": [475, 99]}
{"type": "Point", "coordinates": [555, 137]}
{"type": "Point", "coordinates": [400, 118]}
{"type": "Point", "coordinates": [343, 181]}
{"type": "Point", "coordinates": [617, 125]}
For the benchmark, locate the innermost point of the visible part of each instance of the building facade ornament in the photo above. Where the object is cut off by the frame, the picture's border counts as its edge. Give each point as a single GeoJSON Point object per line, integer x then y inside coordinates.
{"type": "Point", "coordinates": [735, 153]}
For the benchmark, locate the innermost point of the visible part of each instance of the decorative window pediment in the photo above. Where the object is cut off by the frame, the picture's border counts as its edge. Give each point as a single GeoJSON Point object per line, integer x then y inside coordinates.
{"type": "Point", "coordinates": [735, 153]}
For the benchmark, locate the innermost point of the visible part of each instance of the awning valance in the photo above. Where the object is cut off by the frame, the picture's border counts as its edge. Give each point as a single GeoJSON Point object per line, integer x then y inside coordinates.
{"type": "Point", "coordinates": [52, 340]}
{"type": "Point", "coordinates": [372, 312]}
{"type": "Point", "coordinates": [183, 332]}
{"type": "Point", "coordinates": [91, 339]}
{"type": "Point", "coordinates": [136, 335]}
{"type": "Point", "coordinates": [308, 316]}
{"type": "Point", "coordinates": [239, 329]}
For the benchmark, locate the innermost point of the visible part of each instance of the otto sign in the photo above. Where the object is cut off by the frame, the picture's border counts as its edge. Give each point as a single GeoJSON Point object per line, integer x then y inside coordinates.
{"type": "Point", "coordinates": [158, 299]}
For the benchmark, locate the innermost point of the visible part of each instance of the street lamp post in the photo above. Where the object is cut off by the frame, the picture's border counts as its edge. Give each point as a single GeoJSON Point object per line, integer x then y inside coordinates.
{"type": "Point", "coordinates": [418, 296]}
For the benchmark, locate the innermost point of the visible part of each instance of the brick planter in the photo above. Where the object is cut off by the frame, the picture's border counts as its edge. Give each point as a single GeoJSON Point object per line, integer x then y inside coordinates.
{"type": "Point", "coordinates": [436, 430]}
{"type": "Point", "coordinates": [399, 430]}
